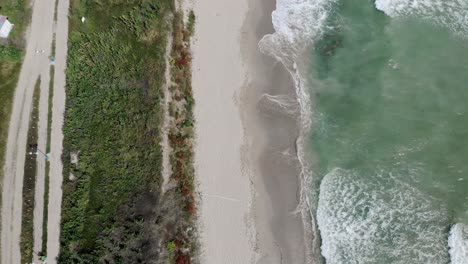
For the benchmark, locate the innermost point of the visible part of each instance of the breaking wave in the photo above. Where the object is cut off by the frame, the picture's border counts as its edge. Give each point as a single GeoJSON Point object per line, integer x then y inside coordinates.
{"type": "Point", "coordinates": [449, 14]}
{"type": "Point", "coordinates": [385, 220]}
{"type": "Point", "coordinates": [458, 244]}
{"type": "Point", "coordinates": [297, 23]}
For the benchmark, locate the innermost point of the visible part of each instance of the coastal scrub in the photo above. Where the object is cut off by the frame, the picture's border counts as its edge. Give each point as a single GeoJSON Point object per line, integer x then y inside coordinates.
{"type": "Point", "coordinates": [113, 209]}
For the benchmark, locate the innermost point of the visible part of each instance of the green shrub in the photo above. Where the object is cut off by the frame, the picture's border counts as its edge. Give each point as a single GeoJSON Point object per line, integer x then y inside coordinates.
{"type": "Point", "coordinates": [191, 22]}
{"type": "Point", "coordinates": [115, 76]}
{"type": "Point", "coordinates": [10, 54]}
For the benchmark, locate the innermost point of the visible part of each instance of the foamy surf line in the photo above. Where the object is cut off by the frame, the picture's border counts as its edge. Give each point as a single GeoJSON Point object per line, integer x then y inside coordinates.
{"type": "Point", "coordinates": [296, 24]}
{"type": "Point", "coordinates": [447, 14]}
{"type": "Point", "coordinates": [357, 219]}
{"type": "Point", "coordinates": [458, 244]}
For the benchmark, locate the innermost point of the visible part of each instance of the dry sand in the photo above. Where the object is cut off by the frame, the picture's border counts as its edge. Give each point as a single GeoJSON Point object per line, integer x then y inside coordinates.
{"type": "Point", "coordinates": [245, 155]}
{"type": "Point", "coordinates": [218, 76]}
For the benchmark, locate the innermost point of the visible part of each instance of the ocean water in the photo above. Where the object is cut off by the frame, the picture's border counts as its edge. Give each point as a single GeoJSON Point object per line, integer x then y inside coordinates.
{"type": "Point", "coordinates": [383, 87]}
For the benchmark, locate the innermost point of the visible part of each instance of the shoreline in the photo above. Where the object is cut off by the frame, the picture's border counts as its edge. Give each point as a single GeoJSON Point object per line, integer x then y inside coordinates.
{"type": "Point", "coordinates": [246, 145]}
{"type": "Point", "coordinates": [273, 124]}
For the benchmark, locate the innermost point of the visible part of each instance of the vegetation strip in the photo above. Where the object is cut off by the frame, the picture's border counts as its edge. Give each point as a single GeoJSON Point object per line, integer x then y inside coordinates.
{"type": "Point", "coordinates": [10, 66]}
{"type": "Point", "coordinates": [47, 167]}
{"type": "Point", "coordinates": [183, 244]}
{"type": "Point", "coordinates": [11, 56]}
{"type": "Point", "coordinates": [29, 181]}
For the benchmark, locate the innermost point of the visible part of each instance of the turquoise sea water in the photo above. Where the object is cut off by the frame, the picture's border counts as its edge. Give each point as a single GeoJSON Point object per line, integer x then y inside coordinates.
{"type": "Point", "coordinates": [389, 132]}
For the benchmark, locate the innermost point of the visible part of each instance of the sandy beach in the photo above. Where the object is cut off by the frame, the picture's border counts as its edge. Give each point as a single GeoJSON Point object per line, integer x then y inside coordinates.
{"type": "Point", "coordinates": [246, 164]}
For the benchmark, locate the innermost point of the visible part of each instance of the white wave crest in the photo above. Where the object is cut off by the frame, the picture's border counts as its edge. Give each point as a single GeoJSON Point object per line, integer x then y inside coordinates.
{"type": "Point", "coordinates": [458, 244]}
{"type": "Point", "coordinates": [296, 23]}
{"type": "Point", "coordinates": [451, 14]}
{"type": "Point", "coordinates": [382, 220]}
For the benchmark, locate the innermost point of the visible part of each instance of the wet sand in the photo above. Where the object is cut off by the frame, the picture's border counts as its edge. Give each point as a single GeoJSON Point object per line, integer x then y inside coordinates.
{"type": "Point", "coordinates": [272, 131]}
{"type": "Point", "coordinates": [246, 162]}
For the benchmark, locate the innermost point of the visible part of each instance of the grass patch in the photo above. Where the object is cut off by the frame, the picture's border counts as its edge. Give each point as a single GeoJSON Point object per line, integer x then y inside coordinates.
{"type": "Point", "coordinates": [9, 73]}
{"type": "Point", "coordinates": [191, 22]}
{"type": "Point", "coordinates": [11, 54]}
{"type": "Point", "coordinates": [29, 182]}
{"type": "Point", "coordinates": [55, 13]}
{"type": "Point", "coordinates": [10, 66]}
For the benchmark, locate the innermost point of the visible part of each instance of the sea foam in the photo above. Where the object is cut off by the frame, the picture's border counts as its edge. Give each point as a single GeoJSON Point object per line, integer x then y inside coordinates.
{"type": "Point", "coordinates": [458, 244]}
{"type": "Point", "coordinates": [297, 23]}
{"type": "Point", "coordinates": [385, 220]}
{"type": "Point", "coordinates": [449, 14]}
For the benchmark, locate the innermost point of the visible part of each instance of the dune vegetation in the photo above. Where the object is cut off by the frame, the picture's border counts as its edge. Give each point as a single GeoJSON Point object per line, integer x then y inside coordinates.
{"type": "Point", "coordinates": [114, 210]}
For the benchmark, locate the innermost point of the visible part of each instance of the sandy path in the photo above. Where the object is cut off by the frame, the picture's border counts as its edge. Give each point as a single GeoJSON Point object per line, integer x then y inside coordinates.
{"type": "Point", "coordinates": [56, 167]}
{"type": "Point", "coordinates": [40, 37]}
{"type": "Point", "coordinates": [218, 77]}
{"type": "Point", "coordinates": [166, 148]}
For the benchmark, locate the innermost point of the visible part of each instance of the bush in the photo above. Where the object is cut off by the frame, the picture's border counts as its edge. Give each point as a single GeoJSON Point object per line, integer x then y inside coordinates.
{"type": "Point", "coordinates": [115, 75]}
{"type": "Point", "coordinates": [11, 54]}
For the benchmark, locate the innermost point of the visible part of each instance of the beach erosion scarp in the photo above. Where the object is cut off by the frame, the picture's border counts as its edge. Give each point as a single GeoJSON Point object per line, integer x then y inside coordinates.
{"type": "Point", "coordinates": [247, 119]}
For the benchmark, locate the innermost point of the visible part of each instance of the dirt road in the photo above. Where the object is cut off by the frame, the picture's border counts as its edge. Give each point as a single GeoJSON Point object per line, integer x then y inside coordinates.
{"type": "Point", "coordinates": [35, 65]}
{"type": "Point", "coordinates": [40, 38]}
{"type": "Point", "coordinates": [56, 168]}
